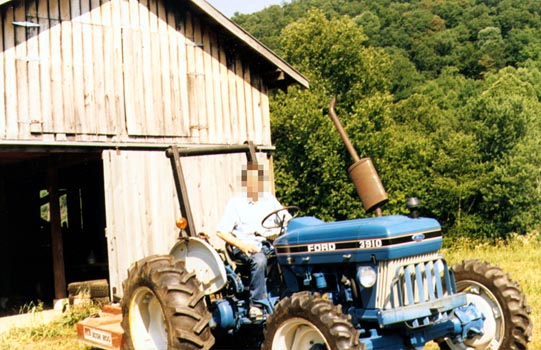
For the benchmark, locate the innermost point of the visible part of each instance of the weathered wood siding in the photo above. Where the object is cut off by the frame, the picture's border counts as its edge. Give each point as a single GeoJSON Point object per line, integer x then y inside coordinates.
{"type": "Point", "coordinates": [132, 71]}
{"type": "Point", "coordinates": [123, 70]}
{"type": "Point", "coordinates": [141, 206]}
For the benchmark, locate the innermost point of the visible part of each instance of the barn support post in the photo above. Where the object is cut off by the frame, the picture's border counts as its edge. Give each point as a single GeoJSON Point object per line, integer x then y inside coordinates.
{"type": "Point", "coordinates": [56, 232]}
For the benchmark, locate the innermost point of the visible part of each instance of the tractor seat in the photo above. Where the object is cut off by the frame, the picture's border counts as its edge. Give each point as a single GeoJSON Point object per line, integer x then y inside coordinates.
{"type": "Point", "coordinates": [242, 266]}
{"type": "Point", "coordinates": [236, 264]}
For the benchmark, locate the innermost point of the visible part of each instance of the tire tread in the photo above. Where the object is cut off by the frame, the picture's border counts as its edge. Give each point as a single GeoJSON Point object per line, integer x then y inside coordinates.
{"type": "Point", "coordinates": [183, 303]}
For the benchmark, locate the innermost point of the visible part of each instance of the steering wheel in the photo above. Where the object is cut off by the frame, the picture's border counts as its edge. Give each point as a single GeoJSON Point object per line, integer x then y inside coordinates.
{"type": "Point", "coordinates": [281, 222]}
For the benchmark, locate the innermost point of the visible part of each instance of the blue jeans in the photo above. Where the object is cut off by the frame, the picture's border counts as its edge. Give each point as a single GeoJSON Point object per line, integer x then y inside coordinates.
{"type": "Point", "coordinates": [258, 267]}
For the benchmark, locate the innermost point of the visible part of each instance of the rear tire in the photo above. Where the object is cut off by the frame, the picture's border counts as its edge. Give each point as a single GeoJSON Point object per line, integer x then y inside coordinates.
{"type": "Point", "coordinates": [309, 322]}
{"type": "Point", "coordinates": [507, 324]}
{"type": "Point", "coordinates": [163, 307]}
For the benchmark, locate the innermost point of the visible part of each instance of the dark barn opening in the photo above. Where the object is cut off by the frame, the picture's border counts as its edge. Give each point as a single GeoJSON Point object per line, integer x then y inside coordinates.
{"type": "Point", "coordinates": [52, 215]}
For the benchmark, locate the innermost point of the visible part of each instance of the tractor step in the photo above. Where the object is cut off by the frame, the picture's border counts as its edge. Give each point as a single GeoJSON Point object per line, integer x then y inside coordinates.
{"type": "Point", "coordinates": [103, 332]}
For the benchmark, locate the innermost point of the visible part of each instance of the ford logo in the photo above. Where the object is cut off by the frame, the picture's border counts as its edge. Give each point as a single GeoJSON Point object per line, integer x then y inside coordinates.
{"type": "Point", "coordinates": [418, 237]}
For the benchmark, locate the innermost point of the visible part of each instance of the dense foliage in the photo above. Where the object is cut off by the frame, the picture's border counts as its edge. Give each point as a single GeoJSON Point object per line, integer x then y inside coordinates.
{"type": "Point", "coordinates": [442, 94]}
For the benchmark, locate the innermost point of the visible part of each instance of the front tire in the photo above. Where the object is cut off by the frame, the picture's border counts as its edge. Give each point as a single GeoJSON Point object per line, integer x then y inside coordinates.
{"type": "Point", "coordinates": [163, 307]}
{"type": "Point", "coordinates": [507, 325]}
{"type": "Point", "coordinates": [309, 322]}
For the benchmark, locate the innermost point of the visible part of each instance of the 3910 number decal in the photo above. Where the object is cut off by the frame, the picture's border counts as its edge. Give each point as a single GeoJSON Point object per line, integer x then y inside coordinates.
{"type": "Point", "coordinates": [370, 243]}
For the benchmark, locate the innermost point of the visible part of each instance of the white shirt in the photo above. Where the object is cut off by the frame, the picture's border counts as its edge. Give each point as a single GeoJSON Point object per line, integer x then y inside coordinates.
{"type": "Point", "coordinates": [242, 217]}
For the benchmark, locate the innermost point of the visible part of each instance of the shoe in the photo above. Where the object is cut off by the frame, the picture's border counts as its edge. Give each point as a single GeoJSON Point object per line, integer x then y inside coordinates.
{"type": "Point", "coordinates": [255, 313]}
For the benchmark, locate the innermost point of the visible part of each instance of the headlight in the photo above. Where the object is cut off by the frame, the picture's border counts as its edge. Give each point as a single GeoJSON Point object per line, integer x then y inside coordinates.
{"type": "Point", "coordinates": [366, 275]}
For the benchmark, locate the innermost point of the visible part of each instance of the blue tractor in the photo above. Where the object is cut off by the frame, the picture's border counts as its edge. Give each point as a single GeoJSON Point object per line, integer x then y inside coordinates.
{"type": "Point", "coordinates": [373, 283]}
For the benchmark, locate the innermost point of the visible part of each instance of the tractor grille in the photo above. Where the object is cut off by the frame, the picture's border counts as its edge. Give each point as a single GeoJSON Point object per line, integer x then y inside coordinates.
{"type": "Point", "coordinates": [412, 280]}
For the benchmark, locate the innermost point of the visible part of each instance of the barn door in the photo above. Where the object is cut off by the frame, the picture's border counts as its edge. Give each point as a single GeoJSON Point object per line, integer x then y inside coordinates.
{"type": "Point", "coordinates": [141, 207]}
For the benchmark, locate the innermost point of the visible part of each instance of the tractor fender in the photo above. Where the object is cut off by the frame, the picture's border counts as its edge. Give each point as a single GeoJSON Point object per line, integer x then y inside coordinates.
{"type": "Point", "coordinates": [203, 260]}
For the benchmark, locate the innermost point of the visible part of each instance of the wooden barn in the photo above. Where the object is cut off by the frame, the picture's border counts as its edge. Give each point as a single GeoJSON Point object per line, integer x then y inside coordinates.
{"type": "Point", "coordinates": [91, 94]}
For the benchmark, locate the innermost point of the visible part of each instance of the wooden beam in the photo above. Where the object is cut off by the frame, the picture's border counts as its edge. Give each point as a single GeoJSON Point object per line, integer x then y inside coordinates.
{"type": "Point", "coordinates": [56, 233]}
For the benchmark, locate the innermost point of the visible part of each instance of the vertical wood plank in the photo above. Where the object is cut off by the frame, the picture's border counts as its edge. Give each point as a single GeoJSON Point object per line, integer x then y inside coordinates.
{"type": "Point", "coordinates": [157, 116]}
{"type": "Point", "coordinates": [45, 66]}
{"type": "Point", "coordinates": [209, 81]}
{"type": "Point", "coordinates": [21, 73]}
{"type": "Point", "coordinates": [172, 81]}
{"type": "Point", "coordinates": [248, 103]}
{"type": "Point", "coordinates": [98, 48]}
{"type": "Point", "coordinates": [134, 70]}
{"type": "Point", "coordinates": [257, 113]}
{"type": "Point", "coordinates": [87, 86]}
{"type": "Point", "coordinates": [241, 100]}
{"type": "Point", "coordinates": [120, 163]}
{"type": "Point", "coordinates": [120, 180]}
{"type": "Point", "coordinates": [108, 120]}
{"type": "Point", "coordinates": [125, 13]}
{"type": "Point", "coordinates": [135, 20]}
{"type": "Point", "coordinates": [225, 97]}
{"type": "Point", "coordinates": [191, 78]}
{"type": "Point", "coordinates": [135, 78]}
{"type": "Point", "coordinates": [118, 113]}
{"type": "Point", "coordinates": [67, 66]}
{"type": "Point", "coordinates": [10, 76]}
{"type": "Point", "coordinates": [112, 192]}
{"type": "Point", "coordinates": [34, 65]}
{"type": "Point", "coordinates": [218, 123]}
{"type": "Point", "coordinates": [55, 36]}
{"type": "Point", "coordinates": [265, 114]}
{"type": "Point", "coordinates": [233, 101]}
{"type": "Point", "coordinates": [153, 180]}
{"type": "Point", "coordinates": [166, 101]}
{"type": "Point", "coordinates": [146, 114]}
{"type": "Point", "coordinates": [178, 30]}
{"type": "Point", "coordinates": [128, 60]}
{"type": "Point", "coordinates": [200, 98]}
{"type": "Point", "coordinates": [140, 197]}
{"type": "Point", "coordinates": [79, 12]}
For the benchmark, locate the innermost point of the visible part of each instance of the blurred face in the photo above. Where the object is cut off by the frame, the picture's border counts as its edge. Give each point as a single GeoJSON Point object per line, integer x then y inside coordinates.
{"type": "Point", "coordinates": [254, 184]}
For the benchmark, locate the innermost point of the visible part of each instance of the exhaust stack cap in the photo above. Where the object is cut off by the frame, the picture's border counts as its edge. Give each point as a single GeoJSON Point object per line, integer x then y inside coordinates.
{"type": "Point", "coordinates": [413, 204]}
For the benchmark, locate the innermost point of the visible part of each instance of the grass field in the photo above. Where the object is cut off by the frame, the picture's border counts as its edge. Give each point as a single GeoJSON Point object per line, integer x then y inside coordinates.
{"type": "Point", "coordinates": [520, 257]}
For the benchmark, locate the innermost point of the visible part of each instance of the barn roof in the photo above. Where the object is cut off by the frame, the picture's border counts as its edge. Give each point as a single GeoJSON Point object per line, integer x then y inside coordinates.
{"type": "Point", "coordinates": [283, 72]}
{"type": "Point", "coordinates": [279, 72]}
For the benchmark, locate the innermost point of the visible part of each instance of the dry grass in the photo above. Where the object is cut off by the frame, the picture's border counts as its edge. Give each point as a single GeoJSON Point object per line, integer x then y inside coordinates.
{"type": "Point", "coordinates": [57, 335]}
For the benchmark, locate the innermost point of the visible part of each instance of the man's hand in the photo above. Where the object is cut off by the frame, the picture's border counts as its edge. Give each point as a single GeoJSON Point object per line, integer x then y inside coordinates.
{"type": "Point", "coordinates": [248, 248]}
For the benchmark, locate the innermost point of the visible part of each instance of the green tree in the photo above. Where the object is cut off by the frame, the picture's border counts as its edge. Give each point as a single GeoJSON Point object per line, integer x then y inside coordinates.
{"type": "Point", "coordinates": [311, 161]}
{"type": "Point", "coordinates": [331, 52]}
{"type": "Point", "coordinates": [506, 119]}
{"type": "Point", "coordinates": [492, 48]}
{"type": "Point", "coordinates": [443, 95]}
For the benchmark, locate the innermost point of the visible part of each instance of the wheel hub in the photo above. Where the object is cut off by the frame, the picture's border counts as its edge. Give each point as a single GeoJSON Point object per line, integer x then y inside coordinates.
{"type": "Point", "coordinates": [299, 334]}
{"type": "Point", "coordinates": [146, 322]}
{"type": "Point", "coordinates": [494, 324]}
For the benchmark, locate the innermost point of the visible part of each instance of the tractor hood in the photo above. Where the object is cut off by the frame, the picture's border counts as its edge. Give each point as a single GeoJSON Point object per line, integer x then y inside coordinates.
{"type": "Point", "coordinates": [309, 240]}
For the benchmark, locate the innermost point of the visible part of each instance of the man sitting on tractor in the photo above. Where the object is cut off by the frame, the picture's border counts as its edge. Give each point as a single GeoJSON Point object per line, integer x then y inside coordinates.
{"type": "Point", "coordinates": [241, 227]}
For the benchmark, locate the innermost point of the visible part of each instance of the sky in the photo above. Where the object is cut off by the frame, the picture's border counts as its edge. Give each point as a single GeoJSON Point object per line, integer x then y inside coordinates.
{"type": "Point", "coordinates": [229, 7]}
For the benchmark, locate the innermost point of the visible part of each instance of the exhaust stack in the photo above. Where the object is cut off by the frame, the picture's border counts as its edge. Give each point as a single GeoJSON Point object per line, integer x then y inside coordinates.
{"type": "Point", "coordinates": [362, 172]}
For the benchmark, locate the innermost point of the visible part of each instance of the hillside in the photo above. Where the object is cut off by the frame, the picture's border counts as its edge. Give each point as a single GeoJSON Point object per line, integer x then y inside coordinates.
{"type": "Point", "coordinates": [443, 95]}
